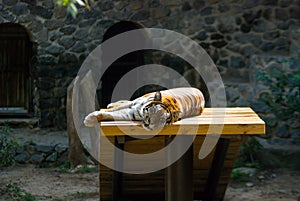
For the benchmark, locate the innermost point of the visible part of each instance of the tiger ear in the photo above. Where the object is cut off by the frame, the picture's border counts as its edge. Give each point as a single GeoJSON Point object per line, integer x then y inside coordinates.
{"type": "Point", "coordinates": [157, 96]}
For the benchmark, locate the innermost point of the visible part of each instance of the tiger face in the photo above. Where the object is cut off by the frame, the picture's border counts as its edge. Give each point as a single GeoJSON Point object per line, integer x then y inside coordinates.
{"type": "Point", "coordinates": [161, 111]}
{"type": "Point", "coordinates": [155, 116]}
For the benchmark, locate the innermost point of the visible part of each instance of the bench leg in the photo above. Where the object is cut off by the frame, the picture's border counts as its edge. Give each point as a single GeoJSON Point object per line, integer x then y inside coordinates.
{"type": "Point", "coordinates": [179, 176]}
{"type": "Point", "coordinates": [117, 176]}
{"type": "Point", "coordinates": [216, 168]}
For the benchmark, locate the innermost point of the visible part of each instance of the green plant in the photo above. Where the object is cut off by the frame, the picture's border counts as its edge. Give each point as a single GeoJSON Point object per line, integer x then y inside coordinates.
{"type": "Point", "coordinates": [65, 167]}
{"type": "Point", "coordinates": [83, 169]}
{"type": "Point", "coordinates": [283, 96]}
{"type": "Point", "coordinates": [248, 154]}
{"type": "Point", "coordinates": [81, 194]}
{"type": "Point", "coordinates": [16, 193]}
{"type": "Point", "coordinates": [237, 175]}
{"type": "Point", "coordinates": [72, 5]}
{"type": "Point", "coordinates": [8, 146]}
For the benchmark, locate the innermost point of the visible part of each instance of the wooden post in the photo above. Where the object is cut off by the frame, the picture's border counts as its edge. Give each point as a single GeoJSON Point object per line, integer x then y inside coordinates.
{"type": "Point", "coordinates": [216, 169]}
{"type": "Point", "coordinates": [76, 150]}
{"type": "Point", "coordinates": [179, 175]}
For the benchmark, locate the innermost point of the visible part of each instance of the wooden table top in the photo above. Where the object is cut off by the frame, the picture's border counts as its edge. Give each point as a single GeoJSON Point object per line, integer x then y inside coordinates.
{"type": "Point", "coordinates": [229, 121]}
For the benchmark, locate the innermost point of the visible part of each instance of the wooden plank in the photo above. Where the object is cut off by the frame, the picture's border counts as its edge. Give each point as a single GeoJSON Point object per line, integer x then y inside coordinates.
{"type": "Point", "coordinates": [230, 128]}
{"type": "Point", "coordinates": [230, 120]}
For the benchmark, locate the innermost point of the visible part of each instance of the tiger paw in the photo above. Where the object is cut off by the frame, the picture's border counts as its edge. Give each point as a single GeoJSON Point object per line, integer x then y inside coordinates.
{"type": "Point", "coordinates": [91, 120]}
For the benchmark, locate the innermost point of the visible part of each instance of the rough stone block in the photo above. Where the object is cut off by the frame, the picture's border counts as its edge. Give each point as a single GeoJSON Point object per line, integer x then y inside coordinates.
{"type": "Point", "coordinates": [59, 92]}
{"type": "Point", "coordinates": [141, 15]}
{"type": "Point", "coordinates": [295, 12]}
{"type": "Point", "coordinates": [250, 3]}
{"type": "Point", "coordinates": [49, 4]}
{"type": "Point", "coordinates": [186, 6]}
{"type": "Point", "coordinates": [61, 148]}
{"type": "Point", "coordinates": [9, 2]}
{"type": "Point", "coordinates": [81, 34]}
{"type": "Point", "coordinates": [22, 158]}
{"type": "Point", "coordinates": [282, 131]}
{"type": "Point", "coordinates": [46, 83]}
{"type": "Point", "coordinates": [42, 35]}
{"type": "Point", "coordinates": [53, 24]}
{"type": "Point", "coordinates": [68, 58]}
{"type": "Point", "coordinates": [52, 157]}
{"type": "Point", "coordinates": [86, 23]}
{"type": "Point", "coordinates": [44, 148]}
{"type": "Point", "coordinates": [41, 11]}
{"type": "Point", "coordinates": [160, 12]}
{"type": "Point", "coordinates": [35, 26]}
{"type": "Point", "coordinates": [223, 7]}
{"type": "Point", "coordinates": [20, 9]}
{"type": "Point", "coordinates": [171, 2]}
{"type": "Point", "coordinates": [237, 62]}
{"type": "Point", "coordinates": [66, 41]}
{"type": "Point", "coordinates": [55, 49]}
{"type": "Point", "coordinates": [206, 11]}
{"type": "Point", "coordinates": [30, 2]}
{"type": "Point", "coordinates": [79, 47]}
{"type": "Point", "coordinates": [36, 159]}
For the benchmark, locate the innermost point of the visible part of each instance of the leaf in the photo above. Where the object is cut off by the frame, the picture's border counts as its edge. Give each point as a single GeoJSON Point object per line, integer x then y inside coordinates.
{"type": "Point", "coordinates": [80, 2]}
{"type": "Point", "coordinates": [72, 10]}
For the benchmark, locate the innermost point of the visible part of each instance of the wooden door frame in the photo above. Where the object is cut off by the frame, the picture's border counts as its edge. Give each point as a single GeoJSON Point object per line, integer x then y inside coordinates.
{"type": "Point", "coordinates": [23, 106]}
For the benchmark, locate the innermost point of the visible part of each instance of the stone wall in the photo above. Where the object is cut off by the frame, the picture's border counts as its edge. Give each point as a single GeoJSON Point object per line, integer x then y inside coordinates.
{"type": "Point", "coordinates": [230, 31]}
{"type": "Point", "coordinates": [283, 126]}
{"type": "Point", "coordinates": [41, 154]}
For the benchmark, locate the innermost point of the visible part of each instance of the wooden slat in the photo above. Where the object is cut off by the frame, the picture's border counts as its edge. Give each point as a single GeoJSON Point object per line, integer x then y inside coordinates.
{"type": "Point", "coordinates": [233, 120]}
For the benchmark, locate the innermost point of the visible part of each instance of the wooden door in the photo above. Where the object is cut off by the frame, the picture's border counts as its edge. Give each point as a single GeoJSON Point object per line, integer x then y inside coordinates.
{"type": "Point", "coordinates": [15, 52]}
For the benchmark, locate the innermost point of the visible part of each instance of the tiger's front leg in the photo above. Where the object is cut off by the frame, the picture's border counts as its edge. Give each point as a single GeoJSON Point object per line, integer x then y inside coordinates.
{"type": "Point", "coordinates": [95, 117]}
{"type": "Point", "coordinates": [126, 114]}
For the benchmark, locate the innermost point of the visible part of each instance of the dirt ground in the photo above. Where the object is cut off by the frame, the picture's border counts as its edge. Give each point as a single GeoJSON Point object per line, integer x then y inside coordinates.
{"type": "Point", "coordinates": [267, 185]}
{"type": "Point", "coordinates": [57, 185]}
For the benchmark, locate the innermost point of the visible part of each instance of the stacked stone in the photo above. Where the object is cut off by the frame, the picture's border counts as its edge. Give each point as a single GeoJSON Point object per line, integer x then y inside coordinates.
{"type": "Point", "coordinates": [230, 31]}
{"type": "Point", "coordinates": [41, 154]}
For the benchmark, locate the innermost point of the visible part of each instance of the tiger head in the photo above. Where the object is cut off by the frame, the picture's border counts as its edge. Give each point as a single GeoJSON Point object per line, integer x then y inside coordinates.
{"type": "Point", "coordinates": [155, 114]}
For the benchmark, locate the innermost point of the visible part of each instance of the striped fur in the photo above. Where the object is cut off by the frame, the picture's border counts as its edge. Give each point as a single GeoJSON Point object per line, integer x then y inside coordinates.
{"type": "Point", "coordinates": [155, 109]}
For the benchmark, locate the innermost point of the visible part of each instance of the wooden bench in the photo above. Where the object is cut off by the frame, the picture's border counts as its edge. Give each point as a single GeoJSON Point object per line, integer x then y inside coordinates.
{"type": "Point", "coordinates": [189, 178]}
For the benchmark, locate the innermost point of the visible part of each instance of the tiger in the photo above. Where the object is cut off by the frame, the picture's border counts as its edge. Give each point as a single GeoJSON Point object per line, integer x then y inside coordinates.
{"type": "Point", "coordinates": [155, 109]}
